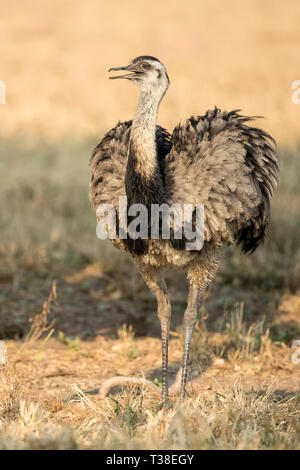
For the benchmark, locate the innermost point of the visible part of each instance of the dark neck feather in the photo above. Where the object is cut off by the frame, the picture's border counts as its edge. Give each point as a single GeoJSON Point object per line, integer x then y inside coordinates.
{"type": "Point", "coordinates": [142, 188]}
{"type": "Point", "coordinates": [143, 179]}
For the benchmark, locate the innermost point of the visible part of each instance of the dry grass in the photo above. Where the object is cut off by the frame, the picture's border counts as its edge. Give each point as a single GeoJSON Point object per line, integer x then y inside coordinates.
{"type": "Point", "coordinates": [244, 392]}
{"type": "Point", "coordinates": [50, 400]}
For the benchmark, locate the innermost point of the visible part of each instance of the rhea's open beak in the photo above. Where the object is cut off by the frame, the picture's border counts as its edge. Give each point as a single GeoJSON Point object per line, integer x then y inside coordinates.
{"type": "Point", "coordinates": [134, 73]}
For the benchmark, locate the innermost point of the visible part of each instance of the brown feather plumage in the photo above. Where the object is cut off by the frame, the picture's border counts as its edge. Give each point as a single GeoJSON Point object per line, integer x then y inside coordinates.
{"type": "Point", "coordinates": [216, 160]}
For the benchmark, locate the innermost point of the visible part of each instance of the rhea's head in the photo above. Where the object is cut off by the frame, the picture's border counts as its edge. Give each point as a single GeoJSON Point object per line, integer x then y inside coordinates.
{"type": "Point", "coordinates": [147, 72]}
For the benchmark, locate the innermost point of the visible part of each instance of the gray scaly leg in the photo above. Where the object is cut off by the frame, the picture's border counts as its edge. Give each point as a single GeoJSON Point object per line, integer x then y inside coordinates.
{"type": "Point", "coordinates": [155, 281]}
{"type": "Point", "coordinates": [190, 318]}
{"type": "Point", "coordinates": [199, 278]}
{"type": "Point", "coordinates": [164, 314]}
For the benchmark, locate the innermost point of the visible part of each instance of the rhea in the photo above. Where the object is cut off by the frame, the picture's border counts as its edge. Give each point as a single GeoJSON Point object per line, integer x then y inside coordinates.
{"type": "Point", "coordinates": [218, 160]}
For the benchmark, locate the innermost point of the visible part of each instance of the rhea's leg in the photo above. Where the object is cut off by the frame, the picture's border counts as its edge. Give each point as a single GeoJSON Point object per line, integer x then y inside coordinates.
{"type": "Point", "coordinates": [155, 281]}
{"type": "Point", "coordinates": [190, 318]}
{"type": "Point", "coordinates": [164, 315]}
{"type": "Point", "coordinates": [199, 278]}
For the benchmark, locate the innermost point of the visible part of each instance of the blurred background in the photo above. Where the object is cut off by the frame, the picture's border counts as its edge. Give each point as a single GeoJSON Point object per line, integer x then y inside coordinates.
{"type": "Point", "coordinates": [55, 56]}
{"type": "Point", "coordinates": [59, 103]}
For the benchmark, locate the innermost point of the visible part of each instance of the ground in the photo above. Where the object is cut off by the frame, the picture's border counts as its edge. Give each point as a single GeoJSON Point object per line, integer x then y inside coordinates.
{"type": "Point", "coordinates": [85, 332]}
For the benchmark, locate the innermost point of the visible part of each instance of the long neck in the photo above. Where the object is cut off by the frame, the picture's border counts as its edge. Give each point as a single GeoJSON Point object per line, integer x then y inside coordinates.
{"type": "Point", "coordinates": [142, 138]}
{"type": "Point", "coordinates": [143, 177]}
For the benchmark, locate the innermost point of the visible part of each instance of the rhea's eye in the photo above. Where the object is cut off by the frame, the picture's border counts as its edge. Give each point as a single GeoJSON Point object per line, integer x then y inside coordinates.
{"type": "Point", "coordinates": [145, 66]}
